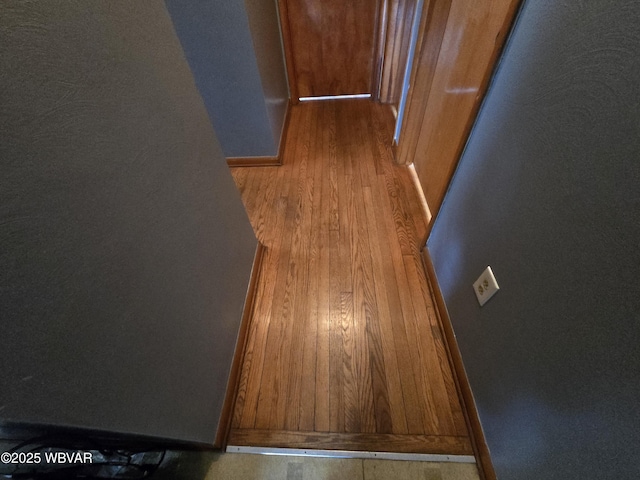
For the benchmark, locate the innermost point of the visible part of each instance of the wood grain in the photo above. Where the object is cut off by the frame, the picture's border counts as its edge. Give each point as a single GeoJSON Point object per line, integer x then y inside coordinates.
{"type": "Point", "coordinates": [283, 12]}
{"type": "Point", "coordinates": [343, 338]}
{"type": "Point", "coordinates": [433, 24]}
{"type": "Point", "coordinates": [396, 48]}
{"type": "Point", "coordinates": [329, 46]}
{"type": "Point", "coordinates": [458, 50]}
{"type": "Point", "coordinates": [439, 444]}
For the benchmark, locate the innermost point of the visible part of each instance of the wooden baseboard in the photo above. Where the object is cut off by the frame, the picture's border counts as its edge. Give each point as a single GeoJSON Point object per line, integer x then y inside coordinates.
{"type": "Point", "coordinates": [394, 152]}
{"type": "Point", "coordinates": [266, 161]}
{"type": "Point", "coordinates": [369, 442]}
{"type": "Point", "coordinates": [253, 161]}
{"type": "Point", "coordinates": [233, 384]}
{"type": "Point", "coordinates": [426, 211]}
{"type": "Point", "coordinates": [478, 442]}
{"type": "Point", "coordinates": [285, 131]}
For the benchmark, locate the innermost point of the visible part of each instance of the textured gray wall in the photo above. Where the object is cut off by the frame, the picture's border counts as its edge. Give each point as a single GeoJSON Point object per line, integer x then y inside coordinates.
{"type": "Point", "coordinates": [125, 251]}
{"type": "Point", "coordinates": [548, 194]}
{"type": "Point", "coordinates": [267, 41]}
{"type": "Point", "coordinates": [243, 102]}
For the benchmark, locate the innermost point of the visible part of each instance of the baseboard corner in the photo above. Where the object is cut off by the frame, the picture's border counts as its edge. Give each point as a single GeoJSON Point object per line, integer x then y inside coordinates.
{"type": "Point", "coordinates": [478, 441]}
{"type": "Point", "coordinates": [226, 417]}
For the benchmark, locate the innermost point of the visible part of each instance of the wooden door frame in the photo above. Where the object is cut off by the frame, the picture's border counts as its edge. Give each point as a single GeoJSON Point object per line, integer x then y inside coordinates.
{"type": "Point", "coordinates": [433, 24]}
{"type": "Point", "coordinates": [380, 29]}
{"type": "Point", "coordinates": [283, 13]}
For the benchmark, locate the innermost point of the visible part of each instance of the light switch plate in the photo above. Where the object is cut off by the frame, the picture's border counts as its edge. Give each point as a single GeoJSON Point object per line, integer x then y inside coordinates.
{"type": "Point", "coordinates": [486, 286]}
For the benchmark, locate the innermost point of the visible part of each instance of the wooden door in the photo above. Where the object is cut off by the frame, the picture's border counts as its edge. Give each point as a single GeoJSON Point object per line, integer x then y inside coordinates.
{"type": "Point", "coordinates": [459, 43]}
{"type": "Point", "coordinates": [329, 45]}
{"type": "Point", "coordinates": [397, 38]}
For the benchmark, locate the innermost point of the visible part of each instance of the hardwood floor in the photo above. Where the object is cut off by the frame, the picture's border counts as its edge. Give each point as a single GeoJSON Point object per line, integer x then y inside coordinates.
{"type": "Point", "coordinates": [345, 350]}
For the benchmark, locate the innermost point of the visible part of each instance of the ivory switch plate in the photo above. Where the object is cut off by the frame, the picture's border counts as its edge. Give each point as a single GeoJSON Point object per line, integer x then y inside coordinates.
{"type": "Point", "coordinates": [486, 286]}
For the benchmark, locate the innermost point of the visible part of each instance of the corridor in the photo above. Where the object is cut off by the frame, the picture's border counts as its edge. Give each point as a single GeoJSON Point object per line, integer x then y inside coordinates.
{"type": "Point", "coordinates": [344, 348]}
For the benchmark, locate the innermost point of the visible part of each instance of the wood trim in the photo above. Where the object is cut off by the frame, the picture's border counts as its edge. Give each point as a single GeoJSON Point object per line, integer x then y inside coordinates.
{"type": "Point", "coordinates": [407, 150]}
{"type": "Point", "coordinates": [500, 42]}
{"type": "Point", "coordinates": [233, 384]}
{"type": "Point", "coordinates": [288, 51]}
{"type": "Point", "coordinates": [370, 442]}
{"type": "Point", "coordinates": [399, 27]}
{"type": "Point", "coordinates": [437, 130]}
{"type": "Point", "coordinates": [426, 212]}
{"type": "Point", "coordinates": [266, 161]}
{"type": "Point", "coordinates": [379, 48]}
{"type": "Point", "coordinates": [253, 161]}
{"type": "Point", "coordinates": [284, 132]}
{"type": "Point", "coordinates": [433, 24]}
{"type": "Point", "coordinates": [478, 441]}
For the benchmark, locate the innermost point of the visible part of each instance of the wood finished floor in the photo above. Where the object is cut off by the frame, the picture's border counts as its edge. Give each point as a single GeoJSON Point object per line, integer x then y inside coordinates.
{"type": "Point", "coordinates": [344, 350]}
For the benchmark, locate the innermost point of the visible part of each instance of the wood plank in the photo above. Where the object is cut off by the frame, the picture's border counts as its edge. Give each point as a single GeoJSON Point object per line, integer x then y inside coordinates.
{"type": "Point", "coordinates": [377, 366]}
{"type": "Point", "coordinates": [336, 349]}
{"type": "Point", "coordinates": [330, 149]}
{"type": "Point", "coordinates": [245, 412]}
{"type": "Point", "coordinates": [351, 410]}
{"type": "Point", "coordinates": [345, 198]}
{"type": "Point", "coordinates": [390, 265]}
{"type": "Point", "coordinates": [248, 197]}
{"type": "Point", "coordinates": [361, 151]}
{"type": "Point", "coordinates": [398, 213]}
{"type": "Point", "coordinates": [323, 210]}
{"type": "Point", "coordinates": [382, 343]}
{"type": "Point", "coordinates": [265, 196]}
{"type": "Point", "coordinates": [314, 218]}
{"type": "Point", "coordinates": [273, 386]}
{"type": "Point", "coordinates": [363, 304]}
{"type": "Point", "coordinates": [286, 377]}
{"type": "Point", "coordinates": [411, 209]}
{"type": "Point", "coordinates": [423, 301]}
{"type": "Point", "coordinates": [302, 329]}
{"type": "Point", "coordinates": [381, 131]}
{"type": "Point", "coordinates": [406, 346]}
{"type": "Point", "coordinates": [240, 178]}
{"type": "Point", "coordinates": [409, 187]}
{"type": "Point", "coordinates": [374, 306]}
{"type": "Point", "coordinates": [440, 406]}
{"type": "Point", "coordinates": [249, 368]}
{"type": "Point", "coordinates": [434, 444]}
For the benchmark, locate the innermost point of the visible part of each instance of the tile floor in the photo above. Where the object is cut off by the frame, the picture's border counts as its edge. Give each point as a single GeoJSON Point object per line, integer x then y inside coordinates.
{"type": "Point", "coordinates": [234, 466]}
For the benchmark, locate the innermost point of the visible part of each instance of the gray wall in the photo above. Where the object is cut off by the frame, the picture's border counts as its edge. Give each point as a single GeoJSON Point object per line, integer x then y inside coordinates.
{"type": "Point", "coordinates": [548, 194]}
{"type": "Point", "coordinates": [244, 89]}
{"type": "Point", "coordinates": [264, 23]}
{"type": "Point", "coordinates": [125, 251]}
